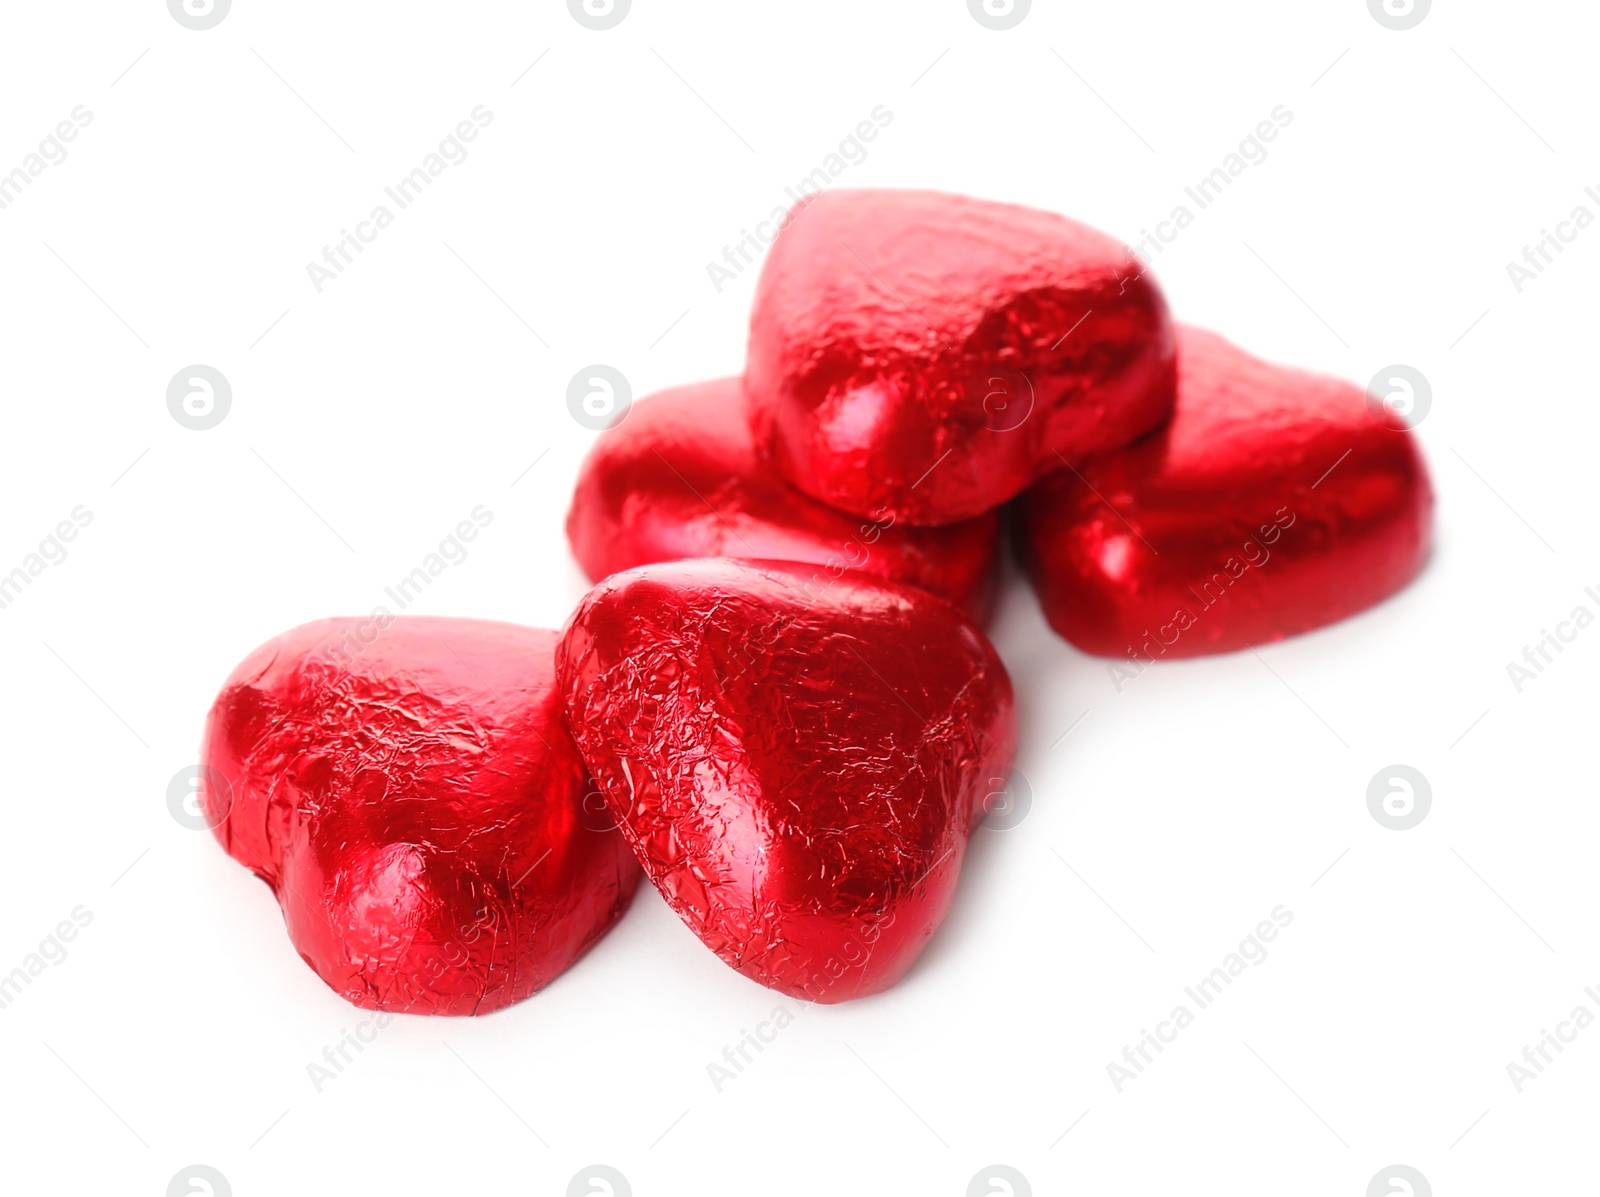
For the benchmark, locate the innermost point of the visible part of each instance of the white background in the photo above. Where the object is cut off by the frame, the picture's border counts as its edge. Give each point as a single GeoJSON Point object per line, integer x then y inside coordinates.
{"type": "Point", "coordinates": [369, 419]}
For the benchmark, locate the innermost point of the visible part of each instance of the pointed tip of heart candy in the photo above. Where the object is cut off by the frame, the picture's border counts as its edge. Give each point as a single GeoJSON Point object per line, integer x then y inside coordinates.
{"type": "Point", "coordinates": [797, 758]}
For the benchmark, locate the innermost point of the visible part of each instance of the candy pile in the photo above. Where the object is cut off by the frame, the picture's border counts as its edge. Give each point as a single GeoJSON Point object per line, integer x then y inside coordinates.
{"type": "Point", "coordinates": [778, 699]}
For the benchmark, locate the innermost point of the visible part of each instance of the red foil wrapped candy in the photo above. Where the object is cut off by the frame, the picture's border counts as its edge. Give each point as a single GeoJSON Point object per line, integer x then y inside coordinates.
{"type": "Point", "coordinates": [679, 477]}
{"type": "Point", "coordinates": [1275, 502]}
{"type": "Point", "coordinates": [408, 789]}
{"type": "Point", "coordinates": [927, 356]}
{"type": "Point", "coordinates": [796, 759]}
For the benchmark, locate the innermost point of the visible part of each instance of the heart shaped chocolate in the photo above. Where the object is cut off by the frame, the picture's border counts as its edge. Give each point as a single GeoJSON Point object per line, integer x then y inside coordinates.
{"type": "Point", "coordinates": [408, 789]}
{"type": "Point", "coordinates": [1275, 502]}
{"type": "Point", "coordinates": [796, 760]}
{"type": "Point", "coordinates": [927, 356]}
{"type": "Point", "coordinates": [679, 477]}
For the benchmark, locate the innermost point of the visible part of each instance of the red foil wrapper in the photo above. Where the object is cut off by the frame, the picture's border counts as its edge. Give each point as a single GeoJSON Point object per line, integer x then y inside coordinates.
{"type": "Point", "coordinates": [1277, 501]}
{"type": "Point", "coordinates": [408, 789]}
{"type": "Point", "coordinates": [928, 356]}
{"type": "Point", "coordinates": [796, 759]}
{"type": "Point", "coordinates": [679, 477]}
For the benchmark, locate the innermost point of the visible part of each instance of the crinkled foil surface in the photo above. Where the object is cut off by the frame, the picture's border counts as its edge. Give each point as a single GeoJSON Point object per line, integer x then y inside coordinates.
{"type": "Point", "coordinates": [679, 477]}
{"type": "Point", "coordinates": [408, 789]}
{"type": "Point", "coordinates": [928, 356]}
{"type": "Point", "coordinates": [1275, 502]}
{"type": "Point", "coordinates": [797, 760]}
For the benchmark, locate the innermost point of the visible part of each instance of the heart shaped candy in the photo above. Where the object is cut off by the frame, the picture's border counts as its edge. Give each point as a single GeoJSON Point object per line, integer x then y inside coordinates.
{"type": "Point", "coordinates": [408, 789]}
{"type": "Point", "coordinates": [679, 477]}
{"type": "Point", "coordinates": [1275, 502]}
{"type": "Point", "coordinates": [928, 356]}
{"type": "Point", "coordinates": [797, 760]}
